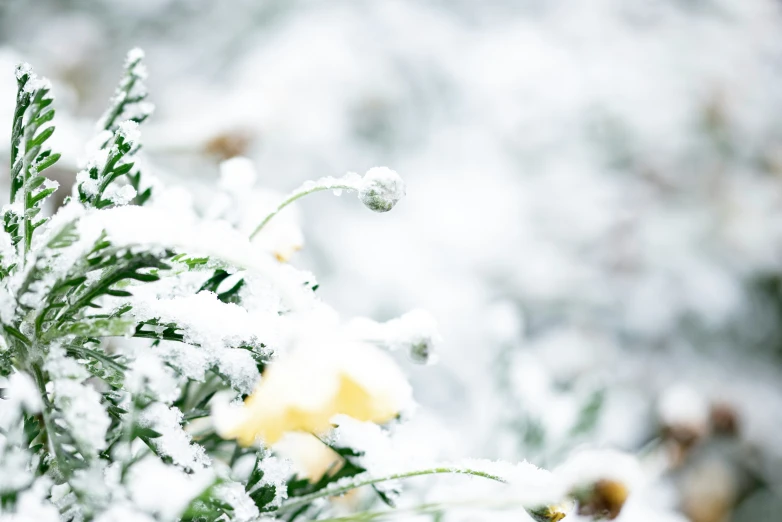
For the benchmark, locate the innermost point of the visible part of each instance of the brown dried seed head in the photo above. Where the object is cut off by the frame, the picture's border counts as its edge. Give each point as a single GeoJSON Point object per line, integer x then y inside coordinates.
{"type": "Point", "coordinates": [604, 500]}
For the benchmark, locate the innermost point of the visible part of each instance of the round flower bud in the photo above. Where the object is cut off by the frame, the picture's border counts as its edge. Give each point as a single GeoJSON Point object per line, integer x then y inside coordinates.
{"type": "Point", "coordinates": [380, 189]}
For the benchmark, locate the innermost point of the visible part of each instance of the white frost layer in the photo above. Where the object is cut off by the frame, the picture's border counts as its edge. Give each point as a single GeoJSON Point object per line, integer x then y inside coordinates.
{"type": "Point", "coordinates": [215, 326]}
{"type": "Point", "coordinates": [233, 493]}
{"type": "Point", "coordinates": [275, 473]}
{"type": "Point", "coordinates": [134, 225]}
{"type": "Point", "coordinates": [173, 442]}
{"type": "Point", "coordinates": [83, 413]}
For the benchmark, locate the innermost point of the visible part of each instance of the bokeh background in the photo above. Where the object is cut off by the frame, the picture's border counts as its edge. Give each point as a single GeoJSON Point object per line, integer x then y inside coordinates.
{"type": "Point", "coordinates": [594, 209]}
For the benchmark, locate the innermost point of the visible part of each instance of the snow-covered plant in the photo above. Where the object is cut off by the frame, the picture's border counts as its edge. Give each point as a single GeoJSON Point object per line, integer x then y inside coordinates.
{"type": "Point", "coordinates": [155, 364]}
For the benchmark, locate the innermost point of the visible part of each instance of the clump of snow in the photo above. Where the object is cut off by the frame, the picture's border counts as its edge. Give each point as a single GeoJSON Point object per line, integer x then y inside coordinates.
{"type": "Point", "coordinates": [243, 507]}
{"type": "Point", "coordinates": [377, 451]}
{"type": "Point", "coordinates": [60, 366]}
{"type": "Point", "coordinates": [83, 414]}
{"type": "Point", "coordinates": [17, 474]}
{"type": "Point", "coordinates": [129, 130]}
{"type": "Point", "coordinates": [173, 442]}
{"type": "Point", "coordinates": [276, 472]}
{"type": "Point", "coordinates": [164, 490]}
{"type": "Point", "coordinates": [35, 84]}
{"type": "Point", "coordinates": [120, 194]}
{"type": "Point", "coordinates": [218, 328]}
{"type": "Point", "coordinates": [380, 189]}
{"type": "Point", "coordinates": [415, 332]}
{"type": "Point", "coordinates": [148, 374]}
{"type": "Point", "coordinates": [134, 55]}
{"type": "Point", "coordinates": [33, 504]}
{"type": "Point", "coordinates": [20, 395]}
{"type": "Point", "coordinates": [681, 406]}
{"type": "Point", "coordinates": [23, 69]}
{"type": "Point", "coordinates": [587, 467]}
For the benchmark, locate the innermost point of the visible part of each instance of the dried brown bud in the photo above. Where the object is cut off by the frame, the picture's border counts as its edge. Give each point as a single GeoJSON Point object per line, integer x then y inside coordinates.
{"type": "Point", "coordinates": [603, 500]}
{"type": "Point", "coordinates": [229, 144]}
{"type": "Point", "coordinates": [724, 419]}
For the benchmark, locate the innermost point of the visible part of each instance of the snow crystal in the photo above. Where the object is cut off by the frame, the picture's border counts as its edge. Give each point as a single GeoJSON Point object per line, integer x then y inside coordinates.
{"type": "Point", "coordinates": [380, 189]}
{"type": "Point", "coordinates": [173, 442]}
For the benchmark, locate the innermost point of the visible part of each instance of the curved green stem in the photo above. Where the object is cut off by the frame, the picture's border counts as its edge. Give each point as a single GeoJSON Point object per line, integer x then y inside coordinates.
{"type": "Point", "coordinates": [299, 193]}
{"type": "Point", "coordinates": [338, 489]}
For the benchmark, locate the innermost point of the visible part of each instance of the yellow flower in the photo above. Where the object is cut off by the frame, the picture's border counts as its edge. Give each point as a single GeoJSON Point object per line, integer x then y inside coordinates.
{"type": "Point", "coordinates": [303, 391]}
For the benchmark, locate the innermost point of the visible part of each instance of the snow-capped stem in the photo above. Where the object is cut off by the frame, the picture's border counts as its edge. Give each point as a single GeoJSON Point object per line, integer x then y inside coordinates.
{"type": "Point", "coordinates": [297, 194]}
{"type": "Point", "coordinates": [350, 485]}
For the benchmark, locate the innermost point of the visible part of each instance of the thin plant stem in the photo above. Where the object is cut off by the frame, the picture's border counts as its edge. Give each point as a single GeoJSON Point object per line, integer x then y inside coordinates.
{"type": "Point", "coordinates": [293, 197]}
{"type": "Point", "coordinates": [339, 490]}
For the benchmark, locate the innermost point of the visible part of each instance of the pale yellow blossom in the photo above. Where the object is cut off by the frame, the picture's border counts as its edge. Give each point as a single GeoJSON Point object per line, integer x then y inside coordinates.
{"type": "Point", "coordinates": [305, 389]}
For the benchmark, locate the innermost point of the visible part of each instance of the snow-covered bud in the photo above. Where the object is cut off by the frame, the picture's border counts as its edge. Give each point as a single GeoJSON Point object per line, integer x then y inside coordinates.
{"type": "Point", "coordinates": [684, 419]}
{"type": "Point", "coordinates": [548, 514]}
{"type": "Point", "coordinates": [600, 481]}
{"type": "Point", "coordinates": [603, 499]}
{"type": "Point", "coordinates": [380, 189]}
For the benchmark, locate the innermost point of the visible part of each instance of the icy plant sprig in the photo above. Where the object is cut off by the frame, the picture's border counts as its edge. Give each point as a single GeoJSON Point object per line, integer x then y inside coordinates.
{"type": "Point", "coordinates": [125, 328]}
{"type": "Point", "coordinates": [117, 142]}
{"type": "Point", "coordinates": [380, 189]}
{"type": "Point", "coordinates": [30, 157]}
